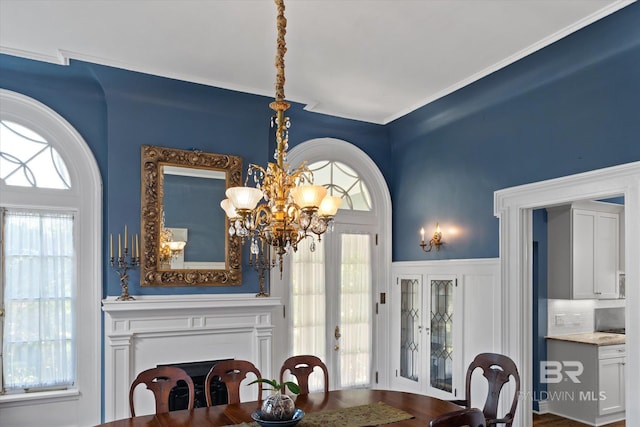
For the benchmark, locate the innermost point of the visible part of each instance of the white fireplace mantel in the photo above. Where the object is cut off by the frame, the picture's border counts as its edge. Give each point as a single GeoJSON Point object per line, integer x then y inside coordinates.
{"type": "Point", "coordinates": [161, 329]}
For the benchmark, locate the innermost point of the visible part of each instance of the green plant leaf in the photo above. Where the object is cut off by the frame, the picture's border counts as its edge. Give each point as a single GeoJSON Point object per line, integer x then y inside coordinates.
{"type": "Point", "coordinates": [293, 387]}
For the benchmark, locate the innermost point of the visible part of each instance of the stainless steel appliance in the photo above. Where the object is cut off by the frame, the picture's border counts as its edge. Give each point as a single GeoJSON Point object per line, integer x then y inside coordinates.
{"type": "Point", "coordinates": [609, 320]}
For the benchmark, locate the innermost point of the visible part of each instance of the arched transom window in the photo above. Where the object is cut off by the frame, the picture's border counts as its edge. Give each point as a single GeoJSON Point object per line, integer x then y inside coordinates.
{"type": "Point", "coordinates": [28, 160]}
{"type": "Point", "coordinates": [341, 180]}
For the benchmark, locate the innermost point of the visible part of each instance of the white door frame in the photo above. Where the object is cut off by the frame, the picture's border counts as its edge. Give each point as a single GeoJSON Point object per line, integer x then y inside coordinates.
{"type": "Point", "coordinates": [347, 153]}
{"type": "Point", "coordinates": [513, 206]}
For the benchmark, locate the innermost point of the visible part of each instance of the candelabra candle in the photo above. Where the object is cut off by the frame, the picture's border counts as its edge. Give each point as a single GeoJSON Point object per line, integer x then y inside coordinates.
{"type": "Point", "coordinates": [123, 263]}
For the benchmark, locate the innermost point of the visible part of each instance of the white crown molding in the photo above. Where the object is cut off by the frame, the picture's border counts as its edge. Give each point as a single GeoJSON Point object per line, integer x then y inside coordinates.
{"type": "Point", "coordinates": [36, 56]}
{"type": "Point", "coordinates": [513, 58]}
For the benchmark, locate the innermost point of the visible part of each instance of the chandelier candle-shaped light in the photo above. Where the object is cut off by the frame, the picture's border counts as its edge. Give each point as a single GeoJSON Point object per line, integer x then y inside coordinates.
{"type": "Point", "coordinates": [294, 208]}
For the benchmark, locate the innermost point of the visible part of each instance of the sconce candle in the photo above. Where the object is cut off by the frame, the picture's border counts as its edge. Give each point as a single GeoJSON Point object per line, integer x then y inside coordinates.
{"type": "Point", "coordinates": [436, 240]}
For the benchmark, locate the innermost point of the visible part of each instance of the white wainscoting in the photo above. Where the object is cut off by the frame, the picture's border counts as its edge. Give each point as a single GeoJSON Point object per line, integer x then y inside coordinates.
{"type": "Point", "coordinates": [156, 330]}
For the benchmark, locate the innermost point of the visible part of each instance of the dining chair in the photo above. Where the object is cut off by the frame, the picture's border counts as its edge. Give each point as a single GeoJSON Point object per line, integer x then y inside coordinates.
{"type": "Point", "coordinates": [301, 367]}
{"type": "Point", "coordinates": [231, 373]}
{"type": "Point", "coordinates": [160, 381]}
{"type": "Point", "coordinates": [498, 369]}
{"type": "Point", "coordinates": [469, 417]}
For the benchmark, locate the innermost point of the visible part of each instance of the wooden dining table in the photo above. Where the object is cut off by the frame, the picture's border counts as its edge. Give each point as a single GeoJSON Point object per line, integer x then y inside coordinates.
{"type": "Point", "coordinates": [422, 408]}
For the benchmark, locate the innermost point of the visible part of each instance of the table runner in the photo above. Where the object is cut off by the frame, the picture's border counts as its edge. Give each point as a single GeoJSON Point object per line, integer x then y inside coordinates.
{"type": "Point", "coordinates": [355, 416]}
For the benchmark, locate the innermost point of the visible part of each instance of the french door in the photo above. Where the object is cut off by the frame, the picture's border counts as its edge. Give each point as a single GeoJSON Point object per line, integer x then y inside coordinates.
{"type": "Point", "coordinates": [332, 305]}
{"type": "Point", "coordinates": [427, 339]}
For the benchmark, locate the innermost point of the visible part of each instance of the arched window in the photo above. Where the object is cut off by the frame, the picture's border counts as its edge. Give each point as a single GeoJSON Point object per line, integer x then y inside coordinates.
{"type": "Point", "coordinates": [50, 288]}
{"type": "Point", "coordinates": [341, 180]}
{"type": "Point", "coordinates": [330, 292]}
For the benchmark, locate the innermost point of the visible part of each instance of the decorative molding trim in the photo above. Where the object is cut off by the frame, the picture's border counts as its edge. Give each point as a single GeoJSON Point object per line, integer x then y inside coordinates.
{"type": "Point", "coordinates": [208, 326]}
{"type": "Point", "coordinates": [449, 262]}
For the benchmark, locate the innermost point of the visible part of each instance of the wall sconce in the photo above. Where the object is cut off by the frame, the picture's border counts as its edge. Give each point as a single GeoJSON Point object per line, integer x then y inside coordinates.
{"type": "Point", "coordinates": [436, 240]}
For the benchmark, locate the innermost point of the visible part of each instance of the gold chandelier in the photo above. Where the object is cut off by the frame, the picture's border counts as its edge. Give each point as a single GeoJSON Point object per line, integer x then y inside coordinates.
{"type": "Point", "coordinates": [169, 248]}
{"type": "Point", "coordinates": [293, 208]}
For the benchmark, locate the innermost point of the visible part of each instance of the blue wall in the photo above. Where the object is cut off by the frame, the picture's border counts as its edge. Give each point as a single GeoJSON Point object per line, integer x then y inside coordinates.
{"type": "Point", "coordinates": [569, 108]}
{"type": "Point", "coordinates": [117, 111]}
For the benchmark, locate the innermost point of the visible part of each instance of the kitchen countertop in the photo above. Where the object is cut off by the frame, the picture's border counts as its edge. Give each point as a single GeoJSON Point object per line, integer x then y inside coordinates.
{"type": "Point", "coordinates": [594, 338]}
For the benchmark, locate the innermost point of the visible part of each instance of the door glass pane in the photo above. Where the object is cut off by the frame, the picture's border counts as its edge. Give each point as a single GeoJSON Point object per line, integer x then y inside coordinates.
{"type": "Point", "coordinates": [409, 334]}
{"type": "Point", "coordinates": [308, 305]}
{"type": "Point", "coordinates": [355, 311]}
{"type": "Point", "coordinates": [442, 334]}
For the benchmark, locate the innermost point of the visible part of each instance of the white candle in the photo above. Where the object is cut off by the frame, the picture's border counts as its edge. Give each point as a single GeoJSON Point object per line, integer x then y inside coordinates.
{"type": "Point", "coordinates": [422, 234]}
{"type": "Point", "coordinates": [111, 245]}
{"type": "Point", "coordinates": [125, 237]}
{"type": "Point", "coordinates": [119, 246]}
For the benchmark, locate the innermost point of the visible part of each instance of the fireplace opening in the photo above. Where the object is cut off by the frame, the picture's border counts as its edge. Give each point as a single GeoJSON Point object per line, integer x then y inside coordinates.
{"type": "Point", "coordinates": [179, 396]}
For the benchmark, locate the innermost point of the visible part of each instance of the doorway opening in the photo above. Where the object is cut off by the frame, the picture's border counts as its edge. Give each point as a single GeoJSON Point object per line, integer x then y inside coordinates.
{"type": "Point", "coordinates": [514, 207]}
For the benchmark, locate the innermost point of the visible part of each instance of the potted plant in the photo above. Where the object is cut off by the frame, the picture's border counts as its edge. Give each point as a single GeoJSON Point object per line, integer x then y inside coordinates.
{"type": "Point", "coordinates": [279, 406]}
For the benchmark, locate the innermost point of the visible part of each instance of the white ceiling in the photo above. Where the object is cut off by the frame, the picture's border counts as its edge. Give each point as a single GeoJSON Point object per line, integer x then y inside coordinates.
{"type": "Point", "coordinates": [370, 60]}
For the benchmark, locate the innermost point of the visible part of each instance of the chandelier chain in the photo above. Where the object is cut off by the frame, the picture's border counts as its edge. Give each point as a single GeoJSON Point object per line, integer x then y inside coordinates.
{"type": "Point", "coordinates": [280, 51]}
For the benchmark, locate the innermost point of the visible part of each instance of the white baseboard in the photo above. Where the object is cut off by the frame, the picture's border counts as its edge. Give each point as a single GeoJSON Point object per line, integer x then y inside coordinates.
{"type": "Point", "coordinates": [543, 407]}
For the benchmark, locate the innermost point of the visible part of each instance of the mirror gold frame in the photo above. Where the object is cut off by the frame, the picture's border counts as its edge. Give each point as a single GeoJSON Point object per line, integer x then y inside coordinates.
{"type": "Point", "coordinates": [153, 161]}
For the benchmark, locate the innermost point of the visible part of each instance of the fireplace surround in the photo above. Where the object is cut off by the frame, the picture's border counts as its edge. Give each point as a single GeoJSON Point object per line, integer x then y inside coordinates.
{"type": "Point", "coordinates": [172, 329]}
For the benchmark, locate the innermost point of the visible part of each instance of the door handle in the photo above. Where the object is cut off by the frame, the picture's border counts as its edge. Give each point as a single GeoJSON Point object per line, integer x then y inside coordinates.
{"type": "Point", "coordinates": [336, 333]}
{"type": "Point", "coordinates": [336, 347]}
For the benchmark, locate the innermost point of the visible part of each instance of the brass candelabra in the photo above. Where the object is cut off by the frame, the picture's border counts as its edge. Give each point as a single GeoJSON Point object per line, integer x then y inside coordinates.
{"type": "Point", "coordinates": [124, 262]}
{"type": "Point", "coordinates": [261, 262]}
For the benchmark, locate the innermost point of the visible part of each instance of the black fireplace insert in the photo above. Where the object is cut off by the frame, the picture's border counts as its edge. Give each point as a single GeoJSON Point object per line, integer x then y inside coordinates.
{"type": "Point", "coordinates": [179, 396]}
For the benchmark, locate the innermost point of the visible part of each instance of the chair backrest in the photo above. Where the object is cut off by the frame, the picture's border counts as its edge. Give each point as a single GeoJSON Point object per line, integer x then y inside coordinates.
{"type": "Point", "coordinates": [471, 417]}
{"type": "Point", "coordinates": [160, 381]}
{"type": "Point", "coordinates": [497, 369]}
{"type": "Point", "coordinates": [301, 367]}
{"type": "Point", "coordinates": [231, 373]}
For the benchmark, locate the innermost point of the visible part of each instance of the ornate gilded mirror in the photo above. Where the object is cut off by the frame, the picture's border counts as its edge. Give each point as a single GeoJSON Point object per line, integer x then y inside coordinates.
{"type": "Point", "coordinates": [184, 231]}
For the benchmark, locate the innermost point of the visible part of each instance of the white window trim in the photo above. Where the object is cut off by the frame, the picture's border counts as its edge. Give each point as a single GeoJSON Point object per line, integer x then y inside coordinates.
{"type": "Point", "coordinates": [86, 196]}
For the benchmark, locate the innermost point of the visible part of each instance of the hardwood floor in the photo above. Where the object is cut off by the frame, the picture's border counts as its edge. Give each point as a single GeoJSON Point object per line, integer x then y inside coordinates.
{"type": "Point", "coordinates": [549, 420]}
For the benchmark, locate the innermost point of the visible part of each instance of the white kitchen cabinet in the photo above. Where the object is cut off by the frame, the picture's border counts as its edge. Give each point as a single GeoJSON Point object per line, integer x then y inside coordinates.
{"type": "Point", "coordinates": [592, 391]}
{"type": "Point", "coordinates": [611, 371]}
{"type": "Point", "coordinates": [584, 250]}
{"type": "Point", "coordinates": [443, 314]}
